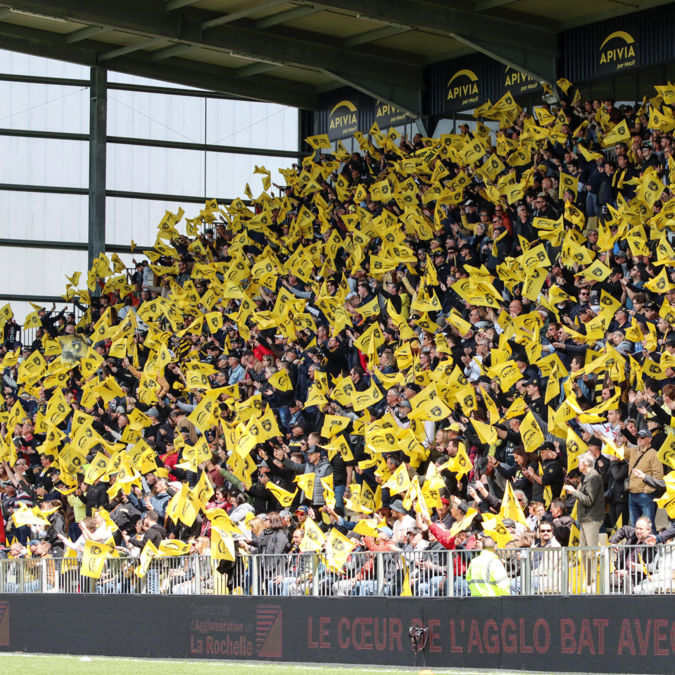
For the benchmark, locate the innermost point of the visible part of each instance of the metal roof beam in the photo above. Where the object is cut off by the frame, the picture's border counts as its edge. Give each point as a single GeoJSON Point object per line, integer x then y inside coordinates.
{"type": "Point", "coordinates": [123, 51]}
{"type": "Point", "coordinates": [449, 18]}
{"type": "Point", "coordinates": [541, 68]}
{"type": "Point", "coordinates": [147, 21]}
{"type": "Point", "coordinates": [228, 18]}
{"type": "Point", "coordinates": [190, 74]}
{"type": "Point", "coordinates": [86, 33]}
{"type": "Point", "coordinates": [177, 4]}
{"type": "Point", "coordinates": [174, 50]}
{"type": "Point", "coordinates": [407, 99]}
{"type": "Point", "coordinates": [209, 76]}
{"type": "Point", "coordinates": [255, 69]}
{"type": "Point", "coordinates": [619, 9]}
{"type": "Point", "coordinates": [482, 5]}
{"type": "Point", "coordinates": [373, 35]}
{"type": "Point", "coordinates": [288, 15]}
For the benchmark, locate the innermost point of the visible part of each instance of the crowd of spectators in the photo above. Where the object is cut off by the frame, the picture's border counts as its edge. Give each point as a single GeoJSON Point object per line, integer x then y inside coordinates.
{"type": "Point", "coordinates": [408, 349]}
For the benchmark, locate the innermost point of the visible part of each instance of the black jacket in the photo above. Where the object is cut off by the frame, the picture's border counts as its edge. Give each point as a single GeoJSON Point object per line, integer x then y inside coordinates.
{"type": "Point", "coordinates": [125, 516]}
{"type": "Point", "coordinates": [96, 497]}
{"type": "Point", "coordinates": [156, 533]}
{"type": "Point", "coordinates": [57, 526]}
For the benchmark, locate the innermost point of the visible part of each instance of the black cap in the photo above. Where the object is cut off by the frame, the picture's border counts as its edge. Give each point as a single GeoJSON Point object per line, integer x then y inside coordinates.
{"type": "Point", "coordinates": [596, 442]}
{"type": "Point", "coordinates": [413, 387]}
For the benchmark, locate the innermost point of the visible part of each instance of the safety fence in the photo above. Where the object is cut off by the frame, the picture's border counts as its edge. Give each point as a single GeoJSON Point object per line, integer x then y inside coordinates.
{"type": "Point", "coordinates": [621, 570]}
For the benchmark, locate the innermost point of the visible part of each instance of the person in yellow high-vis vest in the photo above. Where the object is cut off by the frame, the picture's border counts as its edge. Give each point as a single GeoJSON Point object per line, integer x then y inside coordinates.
{"type": "Point", "coordinates": [486, 575]}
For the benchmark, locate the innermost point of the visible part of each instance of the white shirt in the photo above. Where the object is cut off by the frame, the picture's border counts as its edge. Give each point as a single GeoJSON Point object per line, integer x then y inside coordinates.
{"type": "Point", "coordinates": [472, 371]}
{"type": "Point", "coordinates": [401, 528]}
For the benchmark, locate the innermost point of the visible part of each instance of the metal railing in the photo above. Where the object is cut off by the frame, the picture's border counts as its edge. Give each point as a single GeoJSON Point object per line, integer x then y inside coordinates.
{"type": "Point", "coordinates": [621, 570]}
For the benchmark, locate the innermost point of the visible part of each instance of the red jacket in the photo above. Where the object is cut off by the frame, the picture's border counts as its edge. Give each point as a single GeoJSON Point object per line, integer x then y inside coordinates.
{"type": "Point", "coordinates": [259, 351]}
{"type": "Point", "coordinates": [443, 536]}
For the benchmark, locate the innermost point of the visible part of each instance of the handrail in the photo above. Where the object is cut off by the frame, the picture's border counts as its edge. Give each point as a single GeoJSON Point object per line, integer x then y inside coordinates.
{"type": "Point", "coordinates": [609, 570]}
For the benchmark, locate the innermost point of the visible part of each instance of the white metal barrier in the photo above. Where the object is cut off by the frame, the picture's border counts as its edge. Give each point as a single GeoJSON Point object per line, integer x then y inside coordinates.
{"type": "Point", "coordinates": [611, 570]}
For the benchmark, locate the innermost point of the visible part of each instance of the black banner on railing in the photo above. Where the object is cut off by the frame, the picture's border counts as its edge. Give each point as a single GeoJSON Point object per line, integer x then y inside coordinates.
{"type": "Point", "coordinates": [583, 634]}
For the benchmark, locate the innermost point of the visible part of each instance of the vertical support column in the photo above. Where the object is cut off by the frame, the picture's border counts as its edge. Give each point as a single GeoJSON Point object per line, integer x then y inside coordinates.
{"type": "Point", "coordinates": [98, 116]}
{"type": "Point", "coordinates": [307, 126]}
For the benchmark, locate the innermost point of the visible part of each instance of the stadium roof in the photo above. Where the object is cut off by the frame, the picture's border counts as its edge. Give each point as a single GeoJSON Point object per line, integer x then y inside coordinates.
{"type": "Point", "coordinates": [290, 51]}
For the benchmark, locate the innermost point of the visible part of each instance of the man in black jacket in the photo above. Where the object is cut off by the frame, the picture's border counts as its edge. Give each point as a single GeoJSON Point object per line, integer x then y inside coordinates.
{"type": "Point", "coordinates": [166, 432]}
{"type": "Point", "coordinates": [151, 530]}
{"type": "Point", "coordinates": [93, 496]}
{"type": "Point", "coordinates": [154, 533]}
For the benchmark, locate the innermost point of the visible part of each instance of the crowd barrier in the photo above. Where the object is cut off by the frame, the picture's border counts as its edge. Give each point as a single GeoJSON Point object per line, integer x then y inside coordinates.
{"type": "Point", "coordinates": [620, 570]}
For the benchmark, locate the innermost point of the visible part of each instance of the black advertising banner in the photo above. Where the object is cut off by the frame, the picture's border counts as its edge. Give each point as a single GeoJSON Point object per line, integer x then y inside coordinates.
{"type": "Point", "coordinates": [343, 119]}
{"type": "Point", "coordinates": [608, 48]}
{"type": "Point", "coordinates": [618, 51]}
{"type": "Point", "coordinates": [346, 110]}
{"type": "Point", "coordinates": [518, 83]}
{"type": "Point", "coordinates": [464, 90]}
{"type": "Point", "coordinates": [572, 634]}
{"type": "Point", "coordinates": [463, 84]}
{"type": "Point", "coordinates": [387, 115]}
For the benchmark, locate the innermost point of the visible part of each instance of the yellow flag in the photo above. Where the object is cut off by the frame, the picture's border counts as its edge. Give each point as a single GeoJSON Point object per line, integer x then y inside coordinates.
{"type": "Point", "coordinates": [575, 448]}
{"type": "Point", "coordinates": [460, 463]}
{"type": "Point", "coordinates": [370, 309]}
{"type": "Point", "coordinates": [338, 548]}
{"type": "Point", "coordinates": [406, 590]}
{"type": "Point", "coordinates": [364, 399]}
{"type": "Point", "coordinates": [283, 497]}
{"type": "Point", "coordinates": [399, 482]}
{"type": "Point", "coordinates": [510, 506]}
{"type": "Point", "coordinates": [531, 433]}
{"type": "Point", "coordinates": [203, 490]}
{"type": "Point", "coordinates": [97, 468]}
{"type": "Point", "coordinates": [596, 272]}
{"type": "Point", "coordinates": [666, 454]}
{"type": "Point", "coordinates": [280, 380]}
{"type": "Point", "coordinates": [148, 553]}
{"type": "Point", "coordinates": [314, 538]}
{"type": "Point", "coordinates": [660, 283]}
{"type": "Point", "coordinates": [306, 483]}
{"type": "Point", "coordinates": [171, 547]}
{"type": "Point", "coordinates": [222, 544]}
{"type": "Point", "coordinates": [505, 374]}
{"type": "Point", "coordinates": [94, 557]}
{"type": "Point", "coordinates": [485, 432]}
{"type": "Point", "coordinates": [495, 528]}
{"type": "Point", "coordinates": [26, 516]}
{"type": "Point", "coordinates": [568, 182]}
{"type": "Point", "coordinates": [464, 523]}
{"type": "Point", "coordinates": [318, 142]}
{"type": "Point", "coordinates": [618, 134]}
{"type": "Point", "coordinates": [552, 385]}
